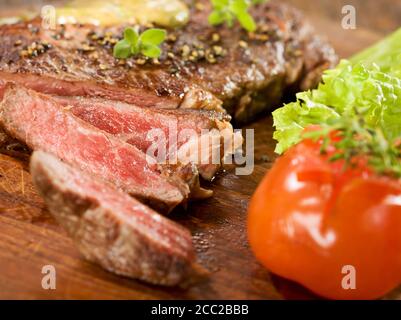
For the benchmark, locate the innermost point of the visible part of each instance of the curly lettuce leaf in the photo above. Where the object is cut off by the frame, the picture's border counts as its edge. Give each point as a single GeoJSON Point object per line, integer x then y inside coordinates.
{"type": "Point", "coordinates": [290, 120]}
{"type": "Point", "coordinates": [369, 81]}
{"type": "Point", "coordinates": [347, 89]}
{"type": "Point", "coordinates": [386, 54]}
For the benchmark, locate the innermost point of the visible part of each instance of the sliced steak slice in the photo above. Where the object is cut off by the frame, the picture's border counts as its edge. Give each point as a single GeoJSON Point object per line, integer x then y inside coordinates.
{"type": "Point", "coordinates": [112, 229]}
{"type": "Point", "coordinates": [200, 66]}
{"type": "Point", "coordinates": [39, 122]}
{"type": "Point", "coordinates": [180, 128]}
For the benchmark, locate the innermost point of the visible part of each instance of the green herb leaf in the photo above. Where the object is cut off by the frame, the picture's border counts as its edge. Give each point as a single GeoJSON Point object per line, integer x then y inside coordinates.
{"type": "Point", "coordinates": [239, 7]}
{"type": "Point", "coordinates": [216, 18]}
{"type": "Point", "coordinates": [133, 44]}
{"type": "Point", "coordinates": [220, 4]}
{"type": "Point", "coordinates": [247, 22]}
{"type": "Point", "coordinates": [153, 36]}
{"type": "Point", "coordinates": [227, 11]}
{"type": "Point", "coordinates": [122, 49]}
{"type": "Point", "coordinates": [131, 35]}
{"type": "Point", "coordinates": [151, 51]}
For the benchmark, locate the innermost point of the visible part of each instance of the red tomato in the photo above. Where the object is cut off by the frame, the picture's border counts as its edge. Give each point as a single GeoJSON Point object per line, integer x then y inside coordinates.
{"type": "Point", "coordinates": [309, 219]}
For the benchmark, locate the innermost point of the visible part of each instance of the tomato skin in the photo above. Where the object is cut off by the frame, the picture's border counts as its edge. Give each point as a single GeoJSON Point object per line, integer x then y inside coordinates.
{"type": "Point", "coordinates": [309, 218]}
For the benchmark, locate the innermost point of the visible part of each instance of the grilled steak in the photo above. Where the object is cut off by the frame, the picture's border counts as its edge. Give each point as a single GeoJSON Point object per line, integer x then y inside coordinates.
{"type": "Point", "coordinates": [112, 229]}
{"type": "Point", "coordinates": [136, 125]}
{"type": "Point", "coordinates": [40, 122]}
{"type": "Point", "coordinates": [200, 65]}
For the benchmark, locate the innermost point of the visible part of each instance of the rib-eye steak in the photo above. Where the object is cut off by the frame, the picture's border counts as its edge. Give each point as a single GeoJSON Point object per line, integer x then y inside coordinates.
{"type": "Point", "coordinates": [176, 130]}
{"type": "Point", "coordinates": [201, 66]}
{"type": "Point", "coordinates": [112, 229]}
{"type": "Point", "coordinates": [87, 116]}
{"type": "Point", "coordinates": [42, 124]}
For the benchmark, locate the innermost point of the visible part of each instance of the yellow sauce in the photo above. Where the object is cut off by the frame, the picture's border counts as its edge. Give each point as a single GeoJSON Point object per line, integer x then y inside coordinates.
{"type": "Point", "coordinates": [167, 13]}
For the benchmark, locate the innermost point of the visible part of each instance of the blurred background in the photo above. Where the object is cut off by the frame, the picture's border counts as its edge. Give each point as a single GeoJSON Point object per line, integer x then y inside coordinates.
{"type": "Point", "coordinates": [382, 16]}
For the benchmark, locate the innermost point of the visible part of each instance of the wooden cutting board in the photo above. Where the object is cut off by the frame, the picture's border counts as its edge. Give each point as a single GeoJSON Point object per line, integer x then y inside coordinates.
{"type": "Point", "coordinates": [31, 239]}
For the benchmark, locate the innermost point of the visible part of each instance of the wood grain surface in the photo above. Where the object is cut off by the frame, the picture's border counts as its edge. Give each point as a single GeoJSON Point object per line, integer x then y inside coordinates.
{"type": "Point", "coordinates": [30, 238]}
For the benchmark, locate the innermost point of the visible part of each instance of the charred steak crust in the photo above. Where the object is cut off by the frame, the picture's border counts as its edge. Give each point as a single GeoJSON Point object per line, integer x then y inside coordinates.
{"type": "Point", "coordinates": [200, 65]}
{"type": "Point", "coordinates": [112, 229]}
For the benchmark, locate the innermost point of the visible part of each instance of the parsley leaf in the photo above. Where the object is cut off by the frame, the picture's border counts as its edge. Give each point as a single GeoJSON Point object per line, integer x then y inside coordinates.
{"type": "Point", "coordinates": [148, 43]}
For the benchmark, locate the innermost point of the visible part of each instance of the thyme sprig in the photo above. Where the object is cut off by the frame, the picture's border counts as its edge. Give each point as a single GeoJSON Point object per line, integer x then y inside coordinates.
{"type": "Point", "coordinates": [356, 140]}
